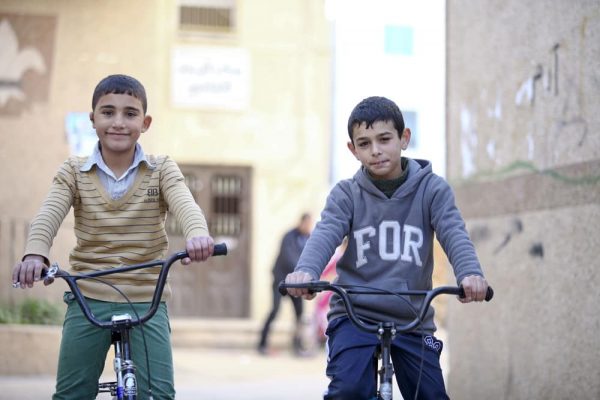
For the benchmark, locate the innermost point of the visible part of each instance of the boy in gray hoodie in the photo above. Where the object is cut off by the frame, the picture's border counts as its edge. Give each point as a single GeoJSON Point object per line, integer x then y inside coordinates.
{"type": "Point", "coordinates": [390, 211]}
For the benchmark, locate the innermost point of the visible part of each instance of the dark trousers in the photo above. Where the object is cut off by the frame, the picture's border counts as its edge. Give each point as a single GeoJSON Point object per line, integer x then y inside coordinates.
{"type": "Point", "coordinates": [297, 302]}
{"type": "Point", "coordinates": [350, 364]}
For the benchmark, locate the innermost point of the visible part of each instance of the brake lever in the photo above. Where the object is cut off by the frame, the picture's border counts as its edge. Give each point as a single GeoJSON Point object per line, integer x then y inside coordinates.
{"type": "Point", "coordinates": [49, 272]}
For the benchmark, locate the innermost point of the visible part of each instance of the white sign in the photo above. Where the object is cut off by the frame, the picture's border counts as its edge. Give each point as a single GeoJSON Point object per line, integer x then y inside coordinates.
{"type": "Point", "coordinates": [210, 77]}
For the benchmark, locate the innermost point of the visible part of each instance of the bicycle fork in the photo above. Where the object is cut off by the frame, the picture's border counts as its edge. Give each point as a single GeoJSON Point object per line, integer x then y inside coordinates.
{"type": "Point", "coordinates": [386, 334]}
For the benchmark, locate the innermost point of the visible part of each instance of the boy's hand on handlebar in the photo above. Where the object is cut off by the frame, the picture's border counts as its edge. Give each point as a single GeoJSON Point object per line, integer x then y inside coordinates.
{"type": "Point", "coordinates": [199, 248]}
{"type": "Point", "coordinates": [475, 288]}
{"type": "Point", "coordinates": [299, 277]}
{"type": "Point", "coordinates": [29, 271]}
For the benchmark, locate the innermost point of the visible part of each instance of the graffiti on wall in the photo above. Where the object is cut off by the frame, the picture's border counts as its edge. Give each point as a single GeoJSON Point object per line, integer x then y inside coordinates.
{"type": "Point", "coordinates": [501, 241]}
{"type": "Point", "coordinates": [26, 48]}
{"type": "Point", "coordinates": [552, 101]}
{"type": "Point", "coordinates": [545, 74]}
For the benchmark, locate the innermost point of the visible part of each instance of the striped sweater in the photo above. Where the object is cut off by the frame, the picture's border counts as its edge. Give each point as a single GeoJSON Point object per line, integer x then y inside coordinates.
{"type": "Point", "coordinates": [113, 233]}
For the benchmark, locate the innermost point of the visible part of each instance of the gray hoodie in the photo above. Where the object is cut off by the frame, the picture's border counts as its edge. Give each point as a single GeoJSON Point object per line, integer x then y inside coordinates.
{"type": "Point", "coordinates": [390, 242]}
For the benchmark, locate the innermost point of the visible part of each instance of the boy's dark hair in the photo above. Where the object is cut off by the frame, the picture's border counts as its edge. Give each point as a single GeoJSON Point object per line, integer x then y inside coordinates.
{"type": "Point", "coordinates": [120, 84]}
{"type": "Point", "coordinates": [373, 109]}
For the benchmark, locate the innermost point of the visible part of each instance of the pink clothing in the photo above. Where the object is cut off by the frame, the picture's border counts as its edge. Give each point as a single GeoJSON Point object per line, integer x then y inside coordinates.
{"type": "Point", "coordinates": [322, 300]}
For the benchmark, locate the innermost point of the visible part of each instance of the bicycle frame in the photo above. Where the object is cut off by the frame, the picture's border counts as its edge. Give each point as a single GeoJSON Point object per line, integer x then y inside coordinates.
{"type": "Point", "coordinates": [385, 331]}
{"type": "Point", "coordinates": [125, 387]}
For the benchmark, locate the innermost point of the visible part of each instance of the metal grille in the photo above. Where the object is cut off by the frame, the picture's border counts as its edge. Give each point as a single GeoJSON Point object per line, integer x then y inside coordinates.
{"type": "Point", "coordinates": [198, 18]}
{"type": "Point", "coordinates": [226, 193]}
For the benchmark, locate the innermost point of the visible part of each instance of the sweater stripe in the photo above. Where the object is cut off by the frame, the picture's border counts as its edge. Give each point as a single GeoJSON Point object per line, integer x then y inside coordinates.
{"type": "Point", "coordinates": [113, 233]}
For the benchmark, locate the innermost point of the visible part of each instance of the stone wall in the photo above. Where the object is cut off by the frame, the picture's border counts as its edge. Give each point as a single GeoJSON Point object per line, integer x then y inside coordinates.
{"type": "Point", "coordinates": [523, 133]}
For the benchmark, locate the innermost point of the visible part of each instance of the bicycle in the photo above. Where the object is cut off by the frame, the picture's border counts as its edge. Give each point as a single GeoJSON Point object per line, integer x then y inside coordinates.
{"type": "Point", "coordinates": [385, 330]}
{"type": "Point", "coordinates": [125, 386]}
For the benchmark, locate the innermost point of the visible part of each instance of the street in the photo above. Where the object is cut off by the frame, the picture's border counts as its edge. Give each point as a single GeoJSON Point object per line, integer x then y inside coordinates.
{"type": "Point", "coordinates": [214, 374]}
{"type": "Point", "coordinates": [218, 373]}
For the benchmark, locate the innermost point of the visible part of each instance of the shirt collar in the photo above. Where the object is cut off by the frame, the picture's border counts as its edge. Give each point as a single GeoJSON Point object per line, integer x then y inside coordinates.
{"type": "Point", "coordinates": [96, 158]}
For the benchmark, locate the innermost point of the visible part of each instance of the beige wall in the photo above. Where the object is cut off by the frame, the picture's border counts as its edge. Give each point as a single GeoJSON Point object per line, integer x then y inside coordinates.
{"type": "Point", "coordinates": [283, 134]}
{"type": "Point", "coordinates": [524, 156]}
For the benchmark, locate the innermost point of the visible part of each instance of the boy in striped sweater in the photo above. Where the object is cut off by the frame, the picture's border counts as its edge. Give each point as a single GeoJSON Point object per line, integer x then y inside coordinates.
{"type": "Point", "coordinates": [120, 197]}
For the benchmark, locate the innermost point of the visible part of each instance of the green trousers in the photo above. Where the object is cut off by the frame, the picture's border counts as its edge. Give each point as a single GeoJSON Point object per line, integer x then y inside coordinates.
{"type": "Point", "coordinates": [84, 347]}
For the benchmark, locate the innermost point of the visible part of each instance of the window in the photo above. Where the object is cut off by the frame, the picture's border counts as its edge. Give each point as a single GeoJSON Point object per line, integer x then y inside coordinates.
{"type": "Point", "coordinates": [399, 40]}
{"type": "Point", "coordinates": [226, 192]}
{"type": "Point", "coordinates": [207, 15]}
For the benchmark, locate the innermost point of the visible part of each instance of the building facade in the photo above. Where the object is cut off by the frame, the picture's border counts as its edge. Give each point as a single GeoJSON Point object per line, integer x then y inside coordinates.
{"type": "Point", "coordinates": [241, 104]}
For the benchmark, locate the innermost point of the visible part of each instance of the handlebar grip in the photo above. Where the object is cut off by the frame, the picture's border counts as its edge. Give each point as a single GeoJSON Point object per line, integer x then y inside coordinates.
{"type": "Point", "coordinates": [488, 295]}
{"type": "Point", "coordinates": [220, 249]}
{"type": "Point", "coordinates": [282, 289]}
{"type": "Point", "coordinates": [312, 286]}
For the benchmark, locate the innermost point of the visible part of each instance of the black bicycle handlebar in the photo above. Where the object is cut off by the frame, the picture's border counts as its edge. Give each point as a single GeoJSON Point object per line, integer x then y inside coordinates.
{"type": "Point", "coordinates": [345, 290]}
{"type": "Point", "coordinates": [54, 271]}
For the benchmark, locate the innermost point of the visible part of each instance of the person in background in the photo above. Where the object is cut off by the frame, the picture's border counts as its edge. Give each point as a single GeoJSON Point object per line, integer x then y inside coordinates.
{"type": "Point", "coordinates": [322, 300]}
{"type": "Point", "coordinates": [292, 245]}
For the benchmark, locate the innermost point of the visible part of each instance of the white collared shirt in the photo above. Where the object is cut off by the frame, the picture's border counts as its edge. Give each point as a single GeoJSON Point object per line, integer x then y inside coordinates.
{"type": "Point", "coordinates": [116, 187]}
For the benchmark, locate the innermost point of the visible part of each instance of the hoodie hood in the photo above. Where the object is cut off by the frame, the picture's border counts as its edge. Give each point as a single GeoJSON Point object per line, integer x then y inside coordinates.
{"type": "Point", "coordinates": [417, 170]}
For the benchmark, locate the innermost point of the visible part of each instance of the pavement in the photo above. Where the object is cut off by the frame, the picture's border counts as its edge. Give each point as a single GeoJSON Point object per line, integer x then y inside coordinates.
{"type": "Point", "coordinates": [214, 374]}
{"type": "Point", "coordinates": [205, 368]}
